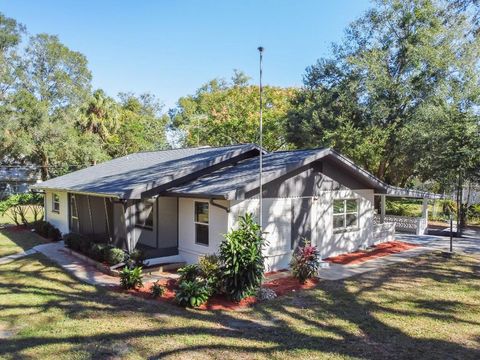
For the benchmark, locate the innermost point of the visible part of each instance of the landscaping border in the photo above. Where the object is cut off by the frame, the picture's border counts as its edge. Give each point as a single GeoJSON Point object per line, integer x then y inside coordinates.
{"type": "Point", "coordinates": [108, 270]}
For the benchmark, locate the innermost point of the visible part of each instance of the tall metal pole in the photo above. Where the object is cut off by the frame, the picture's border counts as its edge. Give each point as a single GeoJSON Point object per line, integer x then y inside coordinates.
{"type": "Point", "coordinates": [260, 194]}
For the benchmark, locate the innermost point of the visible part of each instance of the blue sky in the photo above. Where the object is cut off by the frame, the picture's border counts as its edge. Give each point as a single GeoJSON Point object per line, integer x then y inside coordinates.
{"type": "Point", "coordinates": [171, 47]}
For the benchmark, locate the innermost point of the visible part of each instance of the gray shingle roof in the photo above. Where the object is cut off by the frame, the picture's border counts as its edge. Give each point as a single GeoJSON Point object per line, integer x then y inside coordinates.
{"type": "Point", "coordinates": [233, 181]}
{"type": "Point", "coordinates": [129, 176]}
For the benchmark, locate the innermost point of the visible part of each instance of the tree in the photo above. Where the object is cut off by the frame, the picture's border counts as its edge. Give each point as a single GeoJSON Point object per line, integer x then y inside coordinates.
{"type": "Point", "coordinates": [141, 126]}
{"type": "Point", "coordinates": [101, 116]}
{"type": "Point", "coordinates": [397, 66]}
{"type": "Point", "coordinates": [10, 37]}
{"type": "Point", "coordinates": [222, 113]}
{"type": "Point", "coordinates": [39, 121]}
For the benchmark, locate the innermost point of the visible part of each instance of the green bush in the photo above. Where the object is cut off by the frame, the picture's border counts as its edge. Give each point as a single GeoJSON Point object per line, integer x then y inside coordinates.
{"type": "Point", "coordinates": [47, 230]}
{"type": "Point", "coordinates": [54, 233]}
{"type": "Point", "coordinates": [305, 262]}
{"type": "Point", "coordinates": [114, 256]}
{"type": "Point", "coordinates": [156, 290]}
{"type": "Point", "coordinates": [242, 260]}
{"type": "Point", "coordinates": [209, 269]}
{"type": "Point", "coordinates": [137, 257]}
{"type": "Point", "coordinates": [192, 293]}
{"type": "Point", "coordinates": [188, 273]}
{"type": "Point", "coordinates": [78, 242]}
{"type": "Point", "coordinates": [474, 211]}
{"type": "Point", "coordinates": [131, 278]}
{"type": "Point", "coordinates": [41, 227]}
{"type": "Point", "coordinates": [98, 251]}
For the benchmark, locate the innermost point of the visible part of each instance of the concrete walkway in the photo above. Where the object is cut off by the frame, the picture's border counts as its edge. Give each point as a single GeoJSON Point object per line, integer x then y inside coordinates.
{"type": "Point", "coordinates": [10, 258]}
{"type": "Point", "coordinates": [78, 268]}
{"type": "Point", "coordinates": [427, 244]}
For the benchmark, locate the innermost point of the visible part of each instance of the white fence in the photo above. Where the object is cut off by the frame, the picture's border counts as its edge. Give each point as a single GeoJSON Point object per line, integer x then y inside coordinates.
{"type": "Point", "coordinates": [407, 224]}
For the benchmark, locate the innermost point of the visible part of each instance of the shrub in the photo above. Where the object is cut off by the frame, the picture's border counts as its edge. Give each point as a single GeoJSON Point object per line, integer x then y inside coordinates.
{"type": "Point", "coordinates": [114, 256]}
{"type": "Point", "coordinates": [192, 293]}
{"type": "Point", "coordinates": [54, 233]}
{"type": "Point", "coordinates": [131, 278]}
{"type": "Point", "coordinates": [98, 251]}
{"type": "Point", "coordinates": [188, 273]}
{"type": "Point", "coordinates": [305, 262]}
{"type": "Point", "coordinates": [156, 290]}
{"type": "Point", "coordinates": [39, 227]}
{"type": "Point", "coordinates": [242, 260]}
{"type": "Point", "coordinates": [78, 242]}
{"type": "Point", "coordinates": [137, 256]}
{"type": "Point", "coordinates": [209, 269]}
{"type": "Point", "coordinates": [474, 211]}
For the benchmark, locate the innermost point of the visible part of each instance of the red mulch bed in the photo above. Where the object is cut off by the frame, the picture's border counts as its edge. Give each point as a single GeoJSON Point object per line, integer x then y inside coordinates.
{"type": "Point", "coordinates": [383, 249]}
{"type": "Point", "coordinates": [281, 287]}
{"type": "Point", "coordinates": [289, 284]}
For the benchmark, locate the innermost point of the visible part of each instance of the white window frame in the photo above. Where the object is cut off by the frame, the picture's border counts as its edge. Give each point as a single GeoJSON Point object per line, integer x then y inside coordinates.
{"type": "Point", "coordinates": [55, 203]}
{"type": "Point", "coordinates": [345, 213]}
{"type": "Point", "coordinates": [195, 222]}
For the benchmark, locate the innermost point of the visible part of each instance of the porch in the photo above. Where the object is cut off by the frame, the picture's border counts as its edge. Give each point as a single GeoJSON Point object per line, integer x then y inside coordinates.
{"type": "Point", "coordinates": [417, 225]}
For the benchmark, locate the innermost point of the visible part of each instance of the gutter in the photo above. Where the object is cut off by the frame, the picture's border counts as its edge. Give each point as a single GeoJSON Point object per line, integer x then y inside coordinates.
{"type": "Point", "coordinates": [34, 189]}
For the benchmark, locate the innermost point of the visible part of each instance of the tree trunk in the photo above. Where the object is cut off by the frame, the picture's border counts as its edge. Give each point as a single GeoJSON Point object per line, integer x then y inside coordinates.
{"type": "Point", "coordinates": [44, 168]}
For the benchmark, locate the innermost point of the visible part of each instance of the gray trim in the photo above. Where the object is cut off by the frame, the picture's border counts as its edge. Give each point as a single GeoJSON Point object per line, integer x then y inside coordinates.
{"type": "Point", "coordinates": [155, 222]}
{"type": "Point", "coordinates": [90, 214]}
{"type": "Point", "coordinates": [178, 221]}
{"type": "Point", "coordinates": [226, 208]}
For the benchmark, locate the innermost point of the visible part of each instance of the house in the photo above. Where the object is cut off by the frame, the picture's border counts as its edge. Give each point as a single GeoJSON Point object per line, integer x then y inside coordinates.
{"type": "Point", "coordinates": [177, 204]}
{"type": "Point", "coordinates": [16, 178]}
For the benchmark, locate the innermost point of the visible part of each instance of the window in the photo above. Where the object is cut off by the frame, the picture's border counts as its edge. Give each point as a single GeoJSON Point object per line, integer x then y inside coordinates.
{"type": "Point", "coordinates": [201, 223]}
{"type": "Point", "coordinates": [144, 214]}
{"type": "Point", "coordinates": [345, 214]}
{"type": "Point", "coordinates": [56, 203]}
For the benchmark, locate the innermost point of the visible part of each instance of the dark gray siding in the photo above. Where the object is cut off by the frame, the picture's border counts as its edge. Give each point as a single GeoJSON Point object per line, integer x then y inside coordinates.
{"type": "Point", "coordinates": [167, 222]}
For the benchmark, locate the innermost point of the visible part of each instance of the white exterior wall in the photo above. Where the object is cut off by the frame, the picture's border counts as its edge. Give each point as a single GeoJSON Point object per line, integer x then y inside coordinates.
{"type": "Point", "coordinates": [277, 224]}
{"type": "Point", "coordinates": [60, 219]}
{"type": "Point", "coordinates": [333, 243]}
{"type": "Point", "coordinates": [218, 226]}
{"type": "Point", "coordinates": [277, 217]}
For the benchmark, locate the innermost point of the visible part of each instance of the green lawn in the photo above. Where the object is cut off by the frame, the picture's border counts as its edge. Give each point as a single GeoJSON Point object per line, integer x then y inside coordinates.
{"type": "Point", "coordinates": [428, 308]}
{"type": "Point", "coordinates": [15, 241]}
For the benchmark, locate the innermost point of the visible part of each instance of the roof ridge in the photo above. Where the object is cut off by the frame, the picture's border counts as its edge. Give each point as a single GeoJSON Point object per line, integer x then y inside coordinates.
{"type": "Point", "coordinates": [202, 147]}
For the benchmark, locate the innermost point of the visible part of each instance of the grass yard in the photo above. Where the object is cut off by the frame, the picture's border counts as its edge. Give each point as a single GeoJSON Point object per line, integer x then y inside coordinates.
{"type": "Point", "coordinates": [428, 308]}
{"type": "Point", "coordinates": [16, 241]}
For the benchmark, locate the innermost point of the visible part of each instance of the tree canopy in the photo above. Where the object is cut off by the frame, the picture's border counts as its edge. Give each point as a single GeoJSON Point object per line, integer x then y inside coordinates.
{"type": "Point", "coordinates": [224, 113]}
{"type": "Point", "coordinates": [49, 115]}
{"type": "Point", "coordinates": [405, 69]}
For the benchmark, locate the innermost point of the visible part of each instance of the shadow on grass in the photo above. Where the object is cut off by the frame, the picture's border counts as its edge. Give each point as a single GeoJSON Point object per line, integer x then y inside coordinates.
{"type": "Point", "coordinates": [14, 240]}
{"type": "Point", "coordinates": [336, 318]}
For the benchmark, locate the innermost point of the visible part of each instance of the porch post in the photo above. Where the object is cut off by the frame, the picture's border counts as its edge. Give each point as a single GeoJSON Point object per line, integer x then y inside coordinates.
{"type": "Point", "coordinates": [425, 209]}
{"type": "Point", "coordinates": [382, 208]}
